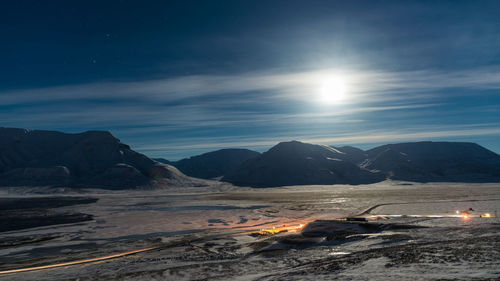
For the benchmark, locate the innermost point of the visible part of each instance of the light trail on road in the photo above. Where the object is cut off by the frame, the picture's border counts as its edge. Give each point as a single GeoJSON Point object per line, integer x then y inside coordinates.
{"type": "Point", "coordinates": [79, 261]}
{"type": "Point", "coordinates": [103, 258]}
{"type": "Point", "coordinates": [128, 253]}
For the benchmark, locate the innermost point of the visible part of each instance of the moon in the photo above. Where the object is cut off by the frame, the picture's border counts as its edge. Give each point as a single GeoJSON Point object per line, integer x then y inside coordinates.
{"type": "Point", "coordinates": [333, 91]}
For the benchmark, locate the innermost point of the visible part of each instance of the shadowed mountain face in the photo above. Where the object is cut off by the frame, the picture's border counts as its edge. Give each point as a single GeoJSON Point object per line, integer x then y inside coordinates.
{"type": "Point", "coordinates": [163, 160]}
{"type": "Point", "coordinates": [296, 163]}
{"type": "Point", "coordinates": [213, 164]}
{"type": "Point", "coordinates": [435, 161]}
{"type": "Point", "coordinates": [94, 158]}
{"type": "Point", "coordinates": [98, 159]}
{"type": "Point", "coordinates": [353, 154]}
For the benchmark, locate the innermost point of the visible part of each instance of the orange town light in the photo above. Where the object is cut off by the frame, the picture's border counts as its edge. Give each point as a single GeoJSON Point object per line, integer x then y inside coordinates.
{"type": "Point", "coordinates": [284, 228]}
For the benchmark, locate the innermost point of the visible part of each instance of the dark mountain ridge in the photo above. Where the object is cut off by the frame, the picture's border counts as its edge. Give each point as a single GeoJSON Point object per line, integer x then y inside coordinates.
{"type": "Point", "coordinates": [93, 158]}
{"type": "Point", "coordinates": [435, 161]}
{"type": "Point", "coordinates": [213, 164]}
{"type": "Point", "coordinates": [296, 163]}
{"type": "Point", "coordinates": [98, 159]}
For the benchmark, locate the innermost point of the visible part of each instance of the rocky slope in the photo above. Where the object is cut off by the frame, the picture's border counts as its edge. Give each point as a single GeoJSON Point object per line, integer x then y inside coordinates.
{"type": "Point", "coordinates": [435, 161]}
{"type": "Point", "coordinates": [90, 159]}
{"type": "Point", "coordinates": [212, 164]}
{"type": "Point", "coordinates": [98, 159]}
{"type": "Point", "coordinates": [297, 163]}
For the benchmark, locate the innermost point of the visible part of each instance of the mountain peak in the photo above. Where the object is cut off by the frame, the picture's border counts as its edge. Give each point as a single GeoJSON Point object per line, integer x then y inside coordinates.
{"type": "Point", "coordinates": [435, 161]}
{"type": "Point", "coordinates": [298, 163]}
{"type": "Point", "coordinates": [214, 164]}
{"type": "Point", "coordinates": [92, 158]}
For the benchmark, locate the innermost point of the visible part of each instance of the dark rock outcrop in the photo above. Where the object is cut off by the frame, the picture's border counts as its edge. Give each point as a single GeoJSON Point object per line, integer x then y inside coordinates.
{"type": "Point", "coordinates": [435, 161]}
{"type": "Point", "coordinates": [98, 159]}
{"type": "Point", "coordinates": [352, 154]}
{"type": "Point", "coordinates": [297, 163]}
{"type": "Point", "coordinates": [90, 159]}
{"type": "Point", "coordinates": [213, 164]}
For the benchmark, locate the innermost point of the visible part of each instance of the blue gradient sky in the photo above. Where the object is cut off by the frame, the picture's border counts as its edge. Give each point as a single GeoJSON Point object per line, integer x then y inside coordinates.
{"type": "Point", "coordinates": [175, 79]}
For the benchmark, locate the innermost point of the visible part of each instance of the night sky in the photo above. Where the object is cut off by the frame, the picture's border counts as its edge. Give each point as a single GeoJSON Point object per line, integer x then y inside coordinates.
{"type": "Point", "coordinates": [175, 79]}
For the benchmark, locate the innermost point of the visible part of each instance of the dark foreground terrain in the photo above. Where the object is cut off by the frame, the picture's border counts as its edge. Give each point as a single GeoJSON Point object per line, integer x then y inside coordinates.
{"type": "Point", "coordinates": [21, 213]}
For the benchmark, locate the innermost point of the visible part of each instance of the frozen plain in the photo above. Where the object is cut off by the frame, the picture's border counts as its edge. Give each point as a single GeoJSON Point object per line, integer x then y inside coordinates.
{"type": "Point", "coordinates": [207, 233]}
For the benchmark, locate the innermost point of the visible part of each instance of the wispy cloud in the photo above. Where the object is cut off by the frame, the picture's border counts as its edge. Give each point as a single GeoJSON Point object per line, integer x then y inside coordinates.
{"type": "Point", "coordinates": [261, 108]}
{"type": "Point", "coordinates": [276, 83]}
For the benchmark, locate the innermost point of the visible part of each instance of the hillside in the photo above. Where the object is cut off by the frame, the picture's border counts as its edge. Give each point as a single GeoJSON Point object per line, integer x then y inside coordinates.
{"type": "Point", "coordinates": [90, 159]}
{"type": "Point", "coordinates": [297, 163]}
{"type": "Point", "coordinates": [213, 164]}
{"type": "Point", "coordinates": [435, 161]}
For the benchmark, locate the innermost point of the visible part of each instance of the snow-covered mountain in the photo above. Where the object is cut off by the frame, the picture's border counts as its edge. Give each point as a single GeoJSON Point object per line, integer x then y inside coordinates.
{"type": "Point", "coordinates": [212, 164]}
{"type": "Point", "coordinates": [435, 161]}
{"type": "Point", "coordinates": [297, 163]}
{"type": "Point", "coordinates": [98, 159]}
{"type": "Point", "coordinates": [93, 158]}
